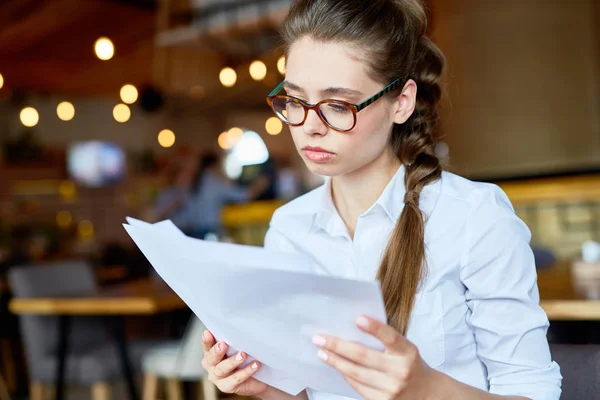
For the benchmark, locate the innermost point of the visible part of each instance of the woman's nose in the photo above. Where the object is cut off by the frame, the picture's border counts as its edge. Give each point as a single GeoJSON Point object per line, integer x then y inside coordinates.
{"type": "Point", "coordinates": [314, 125]}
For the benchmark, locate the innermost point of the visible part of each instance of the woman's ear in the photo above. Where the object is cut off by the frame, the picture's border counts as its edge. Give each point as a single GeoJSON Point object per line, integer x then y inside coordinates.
{"type": "Point", "coordinates": [405, 102]}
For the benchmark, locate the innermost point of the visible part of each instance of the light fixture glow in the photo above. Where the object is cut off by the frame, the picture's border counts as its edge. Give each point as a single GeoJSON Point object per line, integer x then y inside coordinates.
{"type": "Point", "coordinates": [234, 135]}
{"type": "Point", "coordinates": [29, 117]}
{"type": "Point", "coordinates": [228, 77]}
{"type": "Point", "coordinates": [104, 48]}
{"type": "Point", "coordinates": [223, 141]}
{"type": "Point", "coordinates": [65, 111]}
{"type": "Point", "coordinates": [250, 149]}
{"type": "Point", "coordinates": [166, 138]}
{"type": "Point", "coordinates": [274, 126]}
{"type": "Point", "coordinates": [281, 65]}
{"type": "Point", "coordinates": [64, 219]}
{"type": "Point", "coordinates": [129, 94]}
{"type": "Point", "coordinates": [258, 70]}
{"type": "Point", "coordinates": [121, 113]}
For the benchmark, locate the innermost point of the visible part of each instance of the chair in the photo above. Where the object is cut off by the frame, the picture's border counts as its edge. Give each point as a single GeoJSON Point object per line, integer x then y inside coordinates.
{"type": "Point", "coordinates": [178, 361]}
{"type": "Point", "coordinates": [580, 368]}
{"type": "Point", "coordinates": [92, 359]}
{"type": "Point", "coordinates": [4, 395]}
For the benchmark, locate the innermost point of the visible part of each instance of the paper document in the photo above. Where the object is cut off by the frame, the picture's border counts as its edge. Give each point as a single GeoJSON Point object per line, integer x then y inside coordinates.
{"type": "Point", "coordinates": [267, 304]}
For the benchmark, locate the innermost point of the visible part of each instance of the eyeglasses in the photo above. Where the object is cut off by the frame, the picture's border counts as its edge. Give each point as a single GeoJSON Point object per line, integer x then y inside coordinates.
{"type": "Point", "coordinates": [339, 115]}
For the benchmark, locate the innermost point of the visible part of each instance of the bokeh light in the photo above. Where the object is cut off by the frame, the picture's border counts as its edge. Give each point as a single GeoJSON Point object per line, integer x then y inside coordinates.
{"type": "Point", "coordinates": [64, 219]}
{"type": "Point", "coordinates": [258, 70]}
{"type": "Point", "coordinates": [166, 138]}
{"type": "Point", "coordinates": [65, 111]}
{"type": "Point", "coordinates": [67, 190]}
{"type": "Point", "coordinates": [129, 94]}
{"type": "Point", "coordinates": [228, 77]}
{"type": "Point", "coordinates": [281, 65]}
{"type": "Point", "coordinates": [121, 113]}
{"type": "Point", "coordinates": [274, 126]}
{"type": "Point", "coordinates": [224, 141]}
{"type": "Point", "coordinates": [85, 229]}
{"type": "Point", "coordinates": [29, 117]}
{"type": "Point", "coordinates": [234, 135]}
{"type": "Point", "coordinates": [104, 48]}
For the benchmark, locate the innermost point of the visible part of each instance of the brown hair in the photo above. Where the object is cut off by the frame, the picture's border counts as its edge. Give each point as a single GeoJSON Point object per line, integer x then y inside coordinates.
{"type": "Point", "coordinates": [392, 37]}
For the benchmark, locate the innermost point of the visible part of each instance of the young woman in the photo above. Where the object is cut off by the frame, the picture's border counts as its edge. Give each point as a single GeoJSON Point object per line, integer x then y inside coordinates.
{"type": "Point", "coordinates": [454, 262]}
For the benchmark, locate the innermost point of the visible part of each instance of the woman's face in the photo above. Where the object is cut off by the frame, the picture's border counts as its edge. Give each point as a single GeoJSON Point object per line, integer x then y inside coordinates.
{"type": "Point", "coordinates": [316, 70]}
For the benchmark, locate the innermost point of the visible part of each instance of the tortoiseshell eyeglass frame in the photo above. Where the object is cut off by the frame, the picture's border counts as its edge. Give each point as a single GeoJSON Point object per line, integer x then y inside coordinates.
{"type": "Point", "coordinates": [355, 108]}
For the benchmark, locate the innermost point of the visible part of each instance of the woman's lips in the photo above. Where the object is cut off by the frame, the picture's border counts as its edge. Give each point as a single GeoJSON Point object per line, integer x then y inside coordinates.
{"type": "Point", "coordinates": [317, 154]}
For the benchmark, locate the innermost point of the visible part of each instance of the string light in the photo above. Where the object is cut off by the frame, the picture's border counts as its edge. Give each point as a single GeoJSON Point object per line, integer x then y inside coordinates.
{"type": "Point", "coordinates": [166, 138]}
{"type": "Point", "coordinates": [1, 81]}
{"type": "Point", "coordinates": [281, 65]}
{"type": "Point", "coordinates": [121, 113]}
{"type": "Point", "coordinates": [67, 191]}
{"type": "Point", "coordinates": [29, 117]}
{"type": "Point", "coordinates": [274, 126]}
{"type": "Point", "coordinates": [258, 70]}
{"type": "Point", "coordinates": [65, 111]}
{"type": "Point", "coordinates": [224, 141]}
{"type": "Point", "coordinates": [104, 48]}
{"type": "Point", "coordinates": [85, 229]}
{"type": "Point", "coordinates": [64, 219]}
{"type": "Point", "coordinates": [234, 135]}
{"type": "Point", "coordinates": [129, 94]}
{"type": "Point", "coordinates": [228, 77]}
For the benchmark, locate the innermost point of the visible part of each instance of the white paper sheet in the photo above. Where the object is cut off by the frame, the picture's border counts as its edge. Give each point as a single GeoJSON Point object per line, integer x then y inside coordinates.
{"type": "Point", "coordinates": [267, 304]}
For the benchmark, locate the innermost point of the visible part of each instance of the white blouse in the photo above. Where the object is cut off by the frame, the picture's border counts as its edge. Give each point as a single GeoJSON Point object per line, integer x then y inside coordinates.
{"type": "Point", "coordinates": [476, 316]}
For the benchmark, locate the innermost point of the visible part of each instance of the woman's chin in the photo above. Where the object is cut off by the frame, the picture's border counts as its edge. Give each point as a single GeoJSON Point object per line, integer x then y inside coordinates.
{"type": "Point", "coordinates": [324, 169]}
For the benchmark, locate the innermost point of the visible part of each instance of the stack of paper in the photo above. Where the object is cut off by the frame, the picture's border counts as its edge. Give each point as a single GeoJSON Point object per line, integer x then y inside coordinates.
{"type": "Point", "coordinates": [267, 304]}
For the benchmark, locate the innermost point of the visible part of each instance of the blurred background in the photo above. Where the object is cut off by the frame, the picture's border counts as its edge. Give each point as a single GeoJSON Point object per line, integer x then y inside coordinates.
{"type": "Point", "coordinates": [156, 109]}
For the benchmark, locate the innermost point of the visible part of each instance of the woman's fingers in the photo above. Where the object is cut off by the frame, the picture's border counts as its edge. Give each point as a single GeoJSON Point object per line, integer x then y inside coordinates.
{"type": "Point", "coordinates": [208, 341]}
{"type": "Point", "coordinates": [214, 356]}
{"type": "Point", "coordinates": [239, 381]}
{"type": "Point", "coordinates": [227, 366]}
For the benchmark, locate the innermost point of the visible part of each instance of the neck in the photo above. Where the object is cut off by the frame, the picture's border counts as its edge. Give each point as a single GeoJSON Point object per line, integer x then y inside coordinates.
{"type": "Point", "coordinates": [355, 192]}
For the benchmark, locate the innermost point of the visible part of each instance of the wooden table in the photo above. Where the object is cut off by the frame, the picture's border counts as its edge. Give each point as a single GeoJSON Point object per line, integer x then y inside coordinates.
{"type": "Point", "coordinates": [143, 297]}
{"type": "Point", "coordinates": [564, 298]}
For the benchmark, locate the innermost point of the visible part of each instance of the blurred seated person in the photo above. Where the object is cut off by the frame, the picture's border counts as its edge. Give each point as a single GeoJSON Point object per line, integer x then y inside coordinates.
{"type": "Point", "coordinates": [171, 201]}
{"type": "Point", "coordinates": [213, 191]}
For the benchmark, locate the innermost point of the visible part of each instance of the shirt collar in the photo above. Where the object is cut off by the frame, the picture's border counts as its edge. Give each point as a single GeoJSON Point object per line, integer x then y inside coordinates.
{"type": "Point", "coordinates": [391, 201]}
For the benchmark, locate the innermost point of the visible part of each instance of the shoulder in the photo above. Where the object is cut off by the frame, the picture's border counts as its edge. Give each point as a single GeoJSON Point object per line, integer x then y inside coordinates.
{"type": "Point", "coordinates": [475, 197]}
{"type": "Point", "coordinates": [490, 224]}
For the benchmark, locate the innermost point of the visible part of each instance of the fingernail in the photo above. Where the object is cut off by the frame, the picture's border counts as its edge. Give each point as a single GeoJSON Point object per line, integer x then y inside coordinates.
{"type": "Point", "coordinates": [254, 366]}
{"type": "Point", "coordinates": [319, 340]}
{"type": "Point", "coordinates": [239, 357]}
{"type": "Point", "coordinates": [220, 346]}
{"type": "Point", "coordinates": [322, 354]}
{"type": "Point", "coordinates": [205, 336]}
{"type": "Point", "coordinates": [362, 321]}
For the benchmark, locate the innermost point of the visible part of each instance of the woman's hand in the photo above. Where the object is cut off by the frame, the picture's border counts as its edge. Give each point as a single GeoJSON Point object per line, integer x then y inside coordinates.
{"type": "Point", "coordinates": [225, 373]}
{"type": "Point", "coordinates": [398, 373]}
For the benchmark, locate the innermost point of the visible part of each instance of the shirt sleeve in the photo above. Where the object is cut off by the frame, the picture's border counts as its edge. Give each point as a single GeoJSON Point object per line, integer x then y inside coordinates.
{"type": "Point", "coordinates": [510, 327]}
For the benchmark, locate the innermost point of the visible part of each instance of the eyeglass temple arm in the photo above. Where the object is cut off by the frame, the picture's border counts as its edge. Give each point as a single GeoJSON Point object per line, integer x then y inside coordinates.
{"type": "Point", "coordinates": [379, 95]}
{"type": "Point", "coordinates": [277, 89]}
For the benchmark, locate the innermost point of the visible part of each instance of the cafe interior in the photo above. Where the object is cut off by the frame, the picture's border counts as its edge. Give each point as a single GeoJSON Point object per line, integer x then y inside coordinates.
{"type": "Point", "coordinates": [113, 108]}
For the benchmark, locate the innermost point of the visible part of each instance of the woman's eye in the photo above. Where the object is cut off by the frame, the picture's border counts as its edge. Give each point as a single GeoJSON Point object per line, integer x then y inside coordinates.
{"type": "Point", "coordinates": [337, 107]}
{"type": "Point", "coordinates": [292, 103]}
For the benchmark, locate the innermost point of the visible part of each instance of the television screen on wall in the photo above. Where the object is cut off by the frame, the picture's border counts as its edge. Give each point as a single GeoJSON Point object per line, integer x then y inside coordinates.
{"type": "Point", "coordinates": [96, 163]}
